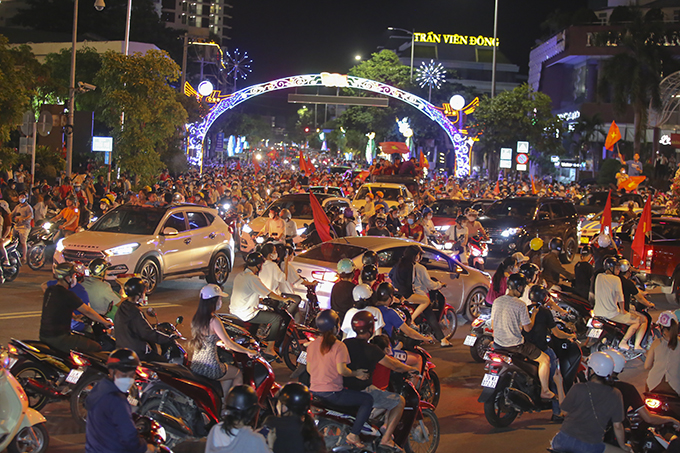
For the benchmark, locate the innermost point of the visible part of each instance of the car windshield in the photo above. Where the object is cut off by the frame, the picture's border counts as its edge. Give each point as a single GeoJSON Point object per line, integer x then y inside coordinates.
{"type": "Point", "coordinates": [391, 193]}
{"type": "Point", "coordinates": [129, 221]}
{"type": "Point", "coordinates": [449, 208]}
{"type": "Point", "coordinates": [332, 253]}
{"type": "Point", "coordinates": [329, 190]}
{"type": "Point", "coordinates": [299, 207]}
{"type": "Point", "coordinates": [518, 208]}
{"type": "Point", "coordinates": [616, 216]}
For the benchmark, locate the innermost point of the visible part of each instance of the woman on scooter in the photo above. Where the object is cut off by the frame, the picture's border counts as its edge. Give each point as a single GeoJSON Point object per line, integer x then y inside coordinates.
{"type": "Point", "coordinates": [412, 280]}
{"type": "Point", "coordinates": [498, 287]}
{"type": "Point", "coordinates": [327, 360]}
{"type": "Point", "coordinates": [663, 358]}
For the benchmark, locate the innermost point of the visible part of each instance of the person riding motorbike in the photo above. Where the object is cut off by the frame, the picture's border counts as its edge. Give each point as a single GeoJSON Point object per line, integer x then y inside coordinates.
{"type": "Point", "coordinates": [473, 225]}
{"type": "Point", "coordinates": [110, 426]}
{"type": "Point", "coordinates": [533, 274]}
{"type": "Point", "coordinates": [290, 228]}
{"type": "Point", "coordinates": [393, 223]}
{"type": "Point", "coordinates": [609, 303]}
{"type": "Point", "coordinates": [663, 358]}
{"type": "Point", "coordinates": [245, 298]}
{"type": "Point", "coordinates": [58, 305]}
{"type": "Point", "coordinates": [71, 217]}
{"type": "Point", "coordinates": [133, 331]}
{"type": "Point", "coordinates": [79, 290]}
{"type": "Point", "coordinates": [380, 228]}
{"type": "Point", "coordinates": [341, 294]}
{"type": "Point", "coordinates": [590, 407]}
{"type": "Point", "coordinates": [102, 298]}
{"type": "Point", "coordinates": [633, 298]}
{"type": "Point", "coordinates": [412, 229]}
{"type": "Point", "coordinates": [509, 317]}
{"type": "Point", "coordinates": [22, 215]}
{"type": "Point", "coordinates": [499, 280]}
{"type": "Point", "coordinates": [273, 278]}
{"type": "Point", "coordinates": [583, 273]}
{"type": "Point", "coordinates": [5, 231]}
{"type": "Point", "coordinates": [605, 247]}
{"type": "Point", "coordinates": [552, 266]}
{"type": "Point", "coordinates": [363, 301]}
{"type": "Point", "coordinates": [458, 234]}
{"type": "Point", "coordinates": [275, 226]}
{"type": "Point", "coordinates": [327, 364]}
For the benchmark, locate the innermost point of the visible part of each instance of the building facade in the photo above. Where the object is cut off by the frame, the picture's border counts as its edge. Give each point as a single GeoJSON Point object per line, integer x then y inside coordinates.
{"type": "Point", "coordinates": [200, 18]}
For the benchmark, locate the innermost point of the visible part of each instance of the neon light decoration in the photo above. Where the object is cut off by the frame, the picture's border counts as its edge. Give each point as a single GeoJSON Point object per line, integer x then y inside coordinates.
{"type": "Point", "coordinates": [198, 131]}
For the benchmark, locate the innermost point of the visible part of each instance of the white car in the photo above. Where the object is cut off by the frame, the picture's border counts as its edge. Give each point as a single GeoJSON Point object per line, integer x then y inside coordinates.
{"type": "Point", "coordinates": [465, 289]}
{"type": "Point", "coordinates": [175, 241]}
{"type": "Point", "coordinates": [591, 227]}
{"type": "Point", "coordinates": [390, 191]}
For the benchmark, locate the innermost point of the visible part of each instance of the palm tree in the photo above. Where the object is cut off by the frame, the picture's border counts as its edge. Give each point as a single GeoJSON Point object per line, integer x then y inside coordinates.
{"type": "Point", "coordinates": [586, 128]}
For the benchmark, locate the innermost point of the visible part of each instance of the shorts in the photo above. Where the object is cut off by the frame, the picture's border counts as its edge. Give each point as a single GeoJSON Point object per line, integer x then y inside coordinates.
{"type": "Point", "coordinates": [626, 318]}
{"type": "Point", "coordinates": [383, 399]}
{"type": "Point", "coordinates": [526, 349]}
{"type": "Point", "coordinates": [565, 443]}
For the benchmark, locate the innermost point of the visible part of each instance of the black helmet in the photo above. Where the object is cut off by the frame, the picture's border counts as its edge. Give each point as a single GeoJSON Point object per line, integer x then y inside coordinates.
{"type": "Point", "coordinates": [530, 270]}
{"type": "Point", "coordinates": [538, 294]}
{"type": "Point", "coordinates": [384, 292]}
{"type": "Point", "coordinates": [63, 270]}
{"type": "Point", "coordinates": [610, 263]}
{"type": "Point", "coordinates": [517, 282]}
{"type": "Point", "coordinates": [586, 250]}
{"type": "Point", "coordinates": [98, 267]}
{"type": "Point", "coordinates": [135, 287]}
{"type": "Point", "coordinates": [556, 244]}
{"type": "Point", "coordinates": [296, 397]}
{"type": "Point", "coordinates": [254, 259]}
{"type": "Point", "coordinates": [241, 402]}
{"type": "Point", "coordinates": [327, 320]}
{"type": "Point", "coordinates": [123, 359]}
{"type": "Point", "coordinates": [363, 322]}
{"type": "Point", "coordinates": [370, 257]}
{"type": "Point", "coordinates": [369, 273]}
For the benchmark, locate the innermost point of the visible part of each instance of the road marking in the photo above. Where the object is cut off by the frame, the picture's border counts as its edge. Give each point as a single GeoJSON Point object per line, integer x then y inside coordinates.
{"type": "Point", "coordinates": [36, 314]}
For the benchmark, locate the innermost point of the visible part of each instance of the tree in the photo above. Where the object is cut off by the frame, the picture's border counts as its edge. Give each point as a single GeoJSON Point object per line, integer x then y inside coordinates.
{"type": "Point", "coordinates": [517, 115]}
{"type": "Point", "coordinates": [138, 85]}
{"type": "Point", "coordinates": [88, 64]}
{"type": "Point", "coordinates": [585, 130]}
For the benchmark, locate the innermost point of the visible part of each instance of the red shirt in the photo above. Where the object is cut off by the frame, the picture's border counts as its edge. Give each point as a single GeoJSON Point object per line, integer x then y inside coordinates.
{"type": "Point", "coordinates": [414, 232]}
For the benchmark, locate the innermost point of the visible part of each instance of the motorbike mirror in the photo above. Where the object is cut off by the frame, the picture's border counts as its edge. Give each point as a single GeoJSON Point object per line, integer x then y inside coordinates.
{"type": "Point", "coordinates": [180, 320]}
{"type": "Point", "coordinates": [169, 422]}
{"type": "Point", "coordinates": [305, 225]}
{"type": "Point", "coordinates": [151, 312]}
{"type": "Point", "coordinates": [170, 231]}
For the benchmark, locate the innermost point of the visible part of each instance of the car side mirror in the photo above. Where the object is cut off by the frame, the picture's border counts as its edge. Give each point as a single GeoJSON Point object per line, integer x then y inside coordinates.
{"type": "Point", "coordinates": [170, 231]}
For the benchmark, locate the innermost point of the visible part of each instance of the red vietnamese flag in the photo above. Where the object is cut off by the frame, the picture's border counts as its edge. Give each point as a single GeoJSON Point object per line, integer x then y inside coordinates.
{"type": "Point", "coordinates": [533, 186]}
{"type": "Point", "coordinates": [310, 166]}
{"type": "Point", "coordinates": [613, 136]}
{"type": "Point", "coordinates": [644, 227]}
{"type": "Point", "coordinates": [238, 166]}
{"type": "Point", "coordinates": [497, 189]}
{"type": "Point", "coordinates": [303, 164]}
{"type": "Point", "coordinates": [606, 222]}
{"type": "Point", "coordinates": [323, 225]}
{"type": "Point", "coordinates": [421, 159]}
{"type": "Point", "coordinates": [256, 165]}
{"type": "Point", "coordinates": [631, 183]}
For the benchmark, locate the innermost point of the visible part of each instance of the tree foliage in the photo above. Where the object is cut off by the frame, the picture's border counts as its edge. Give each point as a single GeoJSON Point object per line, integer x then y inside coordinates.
{"type": "Point", "coordinates": [139, 86]}
{"type": "Point", "coordinates": [88, 64]}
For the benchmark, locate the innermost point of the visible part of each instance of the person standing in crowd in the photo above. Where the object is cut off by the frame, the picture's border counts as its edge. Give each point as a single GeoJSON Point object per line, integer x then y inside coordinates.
{"type": "Point", "coordinates": [22, 215]}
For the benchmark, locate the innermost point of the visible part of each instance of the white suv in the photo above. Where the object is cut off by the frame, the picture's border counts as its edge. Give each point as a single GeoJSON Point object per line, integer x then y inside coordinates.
{"type": "Point", "coordinates": [158, 243]}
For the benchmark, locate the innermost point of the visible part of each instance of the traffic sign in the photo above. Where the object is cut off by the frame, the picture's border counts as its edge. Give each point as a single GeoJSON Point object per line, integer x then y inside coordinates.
{"type": "Point", "coordinates": [521, 167]}
{"type": "Point", "coordinates": [27, 122]}
{"type": "Point", "coordinates": [522, 159]}
{"type": "Point", "coordinates": [505, 164]}
{"type": "Point", "coordinates": [523, 147]}
{"type": "Point", "coordinates": [45, 123]}
{"type": "Point", "coordinates": [25, 145]}
{"type": "Point", "coordinates": [506, 153]}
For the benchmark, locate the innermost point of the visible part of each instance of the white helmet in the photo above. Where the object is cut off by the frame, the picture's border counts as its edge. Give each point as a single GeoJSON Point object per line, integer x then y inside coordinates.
{"type": "Point", "coordinates": [362, 291]}
{"type": "Point", "coordinates": [603, 240]}
{"type": "Point", "coordinates": [601, 363]}
{"type": "Point", "coordinates": [618, 358]}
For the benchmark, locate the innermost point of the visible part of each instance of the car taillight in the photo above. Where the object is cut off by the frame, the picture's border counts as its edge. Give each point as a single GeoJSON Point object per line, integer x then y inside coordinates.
{"type": "Point", "coordinates": [649, 257]}
{"type": "Point", "coordinates": [597, 324]}
{"type": "Point", "coordinates": [652, 403]}
{"type": "Point", "coordinates": [326, 276]}
{"type": "Point", "coordinates": [79, 360]}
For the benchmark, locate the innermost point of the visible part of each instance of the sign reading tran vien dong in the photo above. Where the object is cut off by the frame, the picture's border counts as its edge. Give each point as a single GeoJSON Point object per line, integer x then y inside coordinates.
{"type": "Point", "coordinates": [462, 40]}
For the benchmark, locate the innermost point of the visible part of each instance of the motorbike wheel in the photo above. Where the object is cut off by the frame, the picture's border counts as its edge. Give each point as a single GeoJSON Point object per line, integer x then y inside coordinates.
{"type": "Point", "coordinates": [11, 276]}
{"type": "Point", "coordinates": [31, 370]}
{"type": "Point", "coordinates": [34, 439]}
{"type": "Point", "coordinates": [473, 303]}
{"type": "Point", "coordinates": [333, 433]}
{"type": "Point", "coordinates": [449, 323]}
{"type": "Point", "coordinates": [430, 390]}
{"type": "Point", "coordinates": [480, 347]}
{"type": "Point", "coordinates": [290, 350]}
{"type": "Point", "coordinates": [79, 396]}
{"type": "Point", "coordinates": [36, 256]}
{"type": "Point", "coordinates": [497, 413]}
{"type": "Point", "coordinates": [424, 435]}
{"type": "Point", "coordinates": [169, 408]}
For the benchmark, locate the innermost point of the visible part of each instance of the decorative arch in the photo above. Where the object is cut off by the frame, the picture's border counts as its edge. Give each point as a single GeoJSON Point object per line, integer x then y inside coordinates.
{"type": "Point", "coordinates": [198, 131]}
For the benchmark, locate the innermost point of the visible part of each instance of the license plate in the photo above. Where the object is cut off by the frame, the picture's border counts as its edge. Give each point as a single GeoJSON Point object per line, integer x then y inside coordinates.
{"type": "Point", "coordinates": [12, 361]}
{"type": "Point", "coordinates": [490, 381]}
{"type": "Point", "coordinates": [470, 340]}
{"type": "Point", "coordinates": [132, 400]}
{"type": "Point", "coordinates": [585, 240]}
{"type": "Point", "coordinates": [595, 333]}
{"type": "Point", "coordinates": [302, 358]}
{"type": "Point", "coordinates": [400, 355]}
{"type": "Point", "coordinates": [74, 376]}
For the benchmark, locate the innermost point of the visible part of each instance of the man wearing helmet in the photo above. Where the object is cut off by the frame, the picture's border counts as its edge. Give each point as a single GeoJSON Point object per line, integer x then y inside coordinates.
{"type": "Point", "coordinates": [290, 227]}
{"type": "Point", "coordinates": [509, 317]}
{"type": "Point", "coordinates": [473, 225]}
{"type": "Point", "coordinates": [379, 228]}
{"type": "Point", "coordinates": [534, 254]}
{"type": "Point", "coordinates": [110, 426]}
{"type": "Point", "coordinates": [633, 298]}
{"type": "Point", "coordinates": [245, 298]}
{"type": "Point", "coordinates": [102, 298]}
{"type": "Point", "coordinates": [609, 303]}
{"type": "Point", "coordinates": [590, 407]}
{"type": "Point", "coordinates": [363, 298]}
{"type": "Point", "coordinates": [583, 273]}
{"type": "Point", "coordinates": [552, 266]}
{"type": "Point", "coordinates": [605, 247]}
{"type": "Point", "coordinates": [58, 305]}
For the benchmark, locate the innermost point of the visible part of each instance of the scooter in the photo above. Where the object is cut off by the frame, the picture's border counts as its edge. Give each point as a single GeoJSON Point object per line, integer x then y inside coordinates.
{"type": "Point", "coordinates": [478, 250]}
{"type": "Point", "coordinates": [418, 428]}
{"type": "Point", "coordinates": [481, 334]}
{"type": "Point", "coordinates": [605, 334]}
{"type": "Point", "coordinates": [427, 384]}
{"type": "Point", "coordinates": [41, 244]}
{"type": "Point", "coordinates": [10, 271]}
{"type": "Point", "coordinates": [444, 313]}
{"type": "Point", "coordinates": [21, 427]}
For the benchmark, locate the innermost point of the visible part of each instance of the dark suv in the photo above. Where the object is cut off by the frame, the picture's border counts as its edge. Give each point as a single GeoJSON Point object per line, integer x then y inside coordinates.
{"type": "Point", "coordinates": [513, 222]}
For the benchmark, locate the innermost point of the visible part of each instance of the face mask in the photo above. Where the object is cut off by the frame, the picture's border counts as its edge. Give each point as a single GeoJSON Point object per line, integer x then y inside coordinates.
{"type": "Point", "coordinates": [74, 281]}
{"type": "Point", "coordinates": [77, 189]}
{"type": "Point", "coordinates": [124, 383]}
{"type": "Point", "coordinates": [22, 200]}
{"type": "Point", "coordinates": [274, 256]}
{"type": "Point", "coordinates": [410, 221]}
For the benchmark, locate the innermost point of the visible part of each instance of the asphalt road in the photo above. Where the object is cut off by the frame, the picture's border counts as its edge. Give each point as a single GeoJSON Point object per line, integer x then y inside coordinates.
{"type": "Point", "coordinates": [461, 417]}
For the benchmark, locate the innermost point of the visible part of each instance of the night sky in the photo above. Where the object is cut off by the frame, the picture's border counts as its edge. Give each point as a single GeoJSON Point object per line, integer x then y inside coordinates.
{"type": "Point", "coordinates": [301, 36]}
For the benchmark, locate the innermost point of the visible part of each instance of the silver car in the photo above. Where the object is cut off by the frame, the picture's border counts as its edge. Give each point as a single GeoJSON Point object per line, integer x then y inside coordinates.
{"type": "Point", "coordinates": [465, 289]}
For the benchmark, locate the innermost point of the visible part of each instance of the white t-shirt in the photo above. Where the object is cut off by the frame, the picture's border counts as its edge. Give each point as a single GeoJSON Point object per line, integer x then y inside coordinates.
{"type": "Point", "coordinates": [455, 231]}
{"type": "Point", "coordinates": [273, 278]}
{"type": "Point", "coordinates": [245, 297]}
{"type": "Point", "coordinates": [608, 292]}
{"type": "Point", "coordinates": [346, 327]}
{"type": "Point", "coordinates": [291, 229]}
{"type": "Point", "coordinates": [275, 228]}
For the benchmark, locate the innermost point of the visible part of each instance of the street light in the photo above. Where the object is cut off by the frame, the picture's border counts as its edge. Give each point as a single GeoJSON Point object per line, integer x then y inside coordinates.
{"type": "Point", "coordinates": [493, 67]}
{"type": "Point", "coordinates": [413, 37]}
{"type": "Point", "coordinates": [357, 57]}
{"type": "Point", "coordinates": [100, 5]}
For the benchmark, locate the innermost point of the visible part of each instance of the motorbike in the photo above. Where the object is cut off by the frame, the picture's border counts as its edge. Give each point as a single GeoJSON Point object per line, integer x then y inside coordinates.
{"type": "Point", "coordinates": [606, 334]}
{"type": "Point", "coordinates": [478, 250]}
{"type": "Point", "coordinates": [22, 428]}
{"type": "Point", "coordinates": [41, 244]}
{"type": "Point", "coordinates": [444, 313]}
{"type": "Point", "coordinates": [47, 374]}
{"type": "Point", "coordinates": [418, 428]}
{"type": "Point", "coordinates": [481, 334]}
{"type": "Point", "coordinates": [427, 384]}
{"type": "Point", "coordinates": [10, 271]}
{"type": "Point", "coordinates": [151, 429]}
{"type": "Point", "coordinates": [662, 404]}
{"type": "Point", "coordinates": [293, 342]}
{"type": "Point", "coordinates": [311, 305]}
{"type": "Point", "coordinates": [511, 385]}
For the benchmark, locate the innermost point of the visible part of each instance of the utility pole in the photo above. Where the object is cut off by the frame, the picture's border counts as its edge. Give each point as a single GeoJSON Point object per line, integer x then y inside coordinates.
{"type": "Point", "coordinates": [184, 62]}
{"type": "Point", "coordinates": [71, 93]}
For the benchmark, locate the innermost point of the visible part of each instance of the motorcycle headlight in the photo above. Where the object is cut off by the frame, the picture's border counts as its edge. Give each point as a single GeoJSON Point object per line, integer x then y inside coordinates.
{"type": "Point", "coordinates": [448, 246]}
{"type": "Point", "coordinates": [226, 206]}
{"type": "Point", "coordinates": [301, 231]}
{"type": "Point", "coordinates": [247, 229]}
{"type": "Point", "coordinates": [259, 240]}
{"type": "Point", "coordinates": [60, 245]}
{"type": "Point", "coordinates": [510, 232]}
{"type": "Point", "coordinates": [124, 249]}
{"type": "Point", "coordinates": [46, 226]}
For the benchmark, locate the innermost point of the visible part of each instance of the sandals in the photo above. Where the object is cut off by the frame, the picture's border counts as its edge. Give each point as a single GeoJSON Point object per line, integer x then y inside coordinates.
{"type": "Point", "coordinates": [355, 444]}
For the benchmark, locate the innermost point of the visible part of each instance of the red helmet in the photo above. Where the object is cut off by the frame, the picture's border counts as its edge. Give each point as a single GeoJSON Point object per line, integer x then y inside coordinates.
{"type": "Point", "coordinates": [363, 322]}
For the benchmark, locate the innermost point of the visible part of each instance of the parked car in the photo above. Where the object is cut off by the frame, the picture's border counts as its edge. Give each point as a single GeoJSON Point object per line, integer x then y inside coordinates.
{"type": "Point", "coordinates": [513, 222]}
{"type": "Point", "coordinates": [591, 228]}
{"type": "Point", "coordinates": [594, 202]}
{"type": "Point", "coordinates": [165, 243]}
{"type": "Point", "coordinates": [330, 190]}
{"type": "Point", "coordinates": [465, 289]}
{"type": "Point", "coordinates": [391, 191]}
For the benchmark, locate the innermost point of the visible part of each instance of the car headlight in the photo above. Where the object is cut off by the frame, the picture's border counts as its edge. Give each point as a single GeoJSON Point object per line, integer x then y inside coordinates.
{"type": "Point", "coordinates": [590, 216]}
{"type": "Point", "coordinates": [301, 231]}
{"type": "Point", "coordinates": [124, 249]}
{"type": "Point", "coordinates": [510, 232]}
{"type": "Point", "coordinates": [259, 240]}
{"type": "Point", "coordinates": [47, 226]}
{"type": "Point", "coordinates": [247, 229]}
{"type": "Point", "coordinates": [60, 245]}
{"type": "Point", "coordinates": [226, 206]}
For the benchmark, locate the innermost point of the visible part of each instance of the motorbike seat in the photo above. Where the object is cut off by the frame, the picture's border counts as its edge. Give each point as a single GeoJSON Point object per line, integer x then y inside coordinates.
{"type": "Point", "coordinates": [44, 348]}
{"type": "Point", "coordinates": [180, 371]}
{"type": "Point", "coordinates": [320, 402]}
{"type": "Point", "coordinates": [622, 326]}
{"type": "Point", "coordinates": [236, 320]}
{"type": "Point", "coordinates": [514, 355]}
